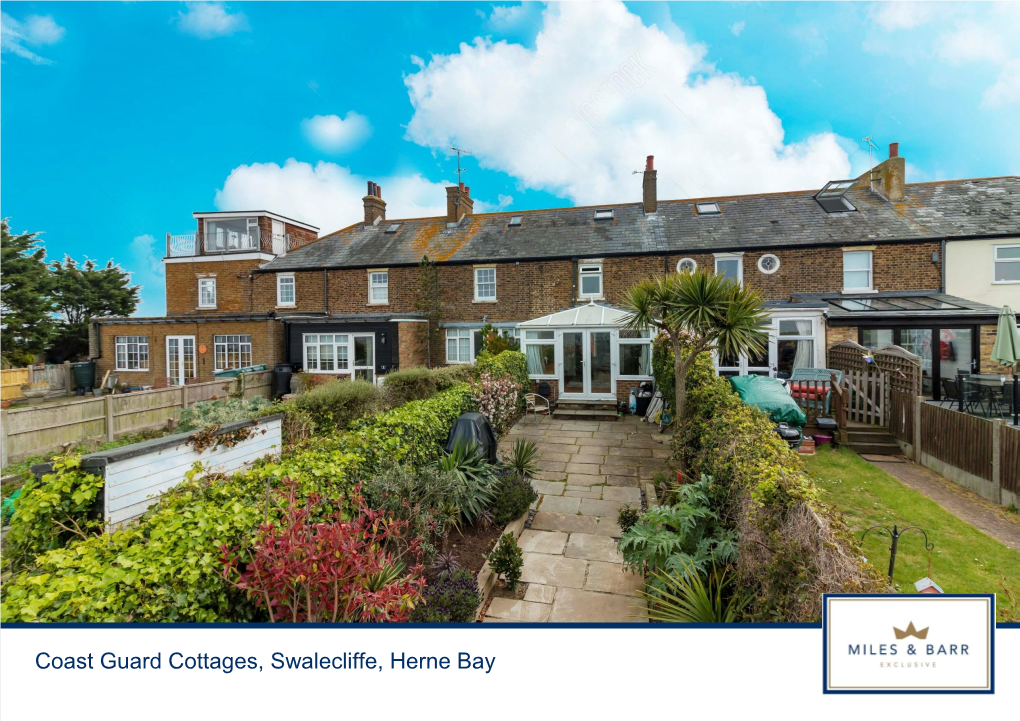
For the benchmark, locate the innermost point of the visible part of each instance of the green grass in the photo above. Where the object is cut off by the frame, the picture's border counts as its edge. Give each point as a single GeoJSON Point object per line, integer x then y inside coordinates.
{"type": "Point", "coordinates": [964, 560]}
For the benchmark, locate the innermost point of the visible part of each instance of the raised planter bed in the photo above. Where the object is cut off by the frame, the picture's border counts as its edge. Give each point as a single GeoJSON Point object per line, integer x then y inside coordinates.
{"type": "Point", "coordinates": [137, 474]}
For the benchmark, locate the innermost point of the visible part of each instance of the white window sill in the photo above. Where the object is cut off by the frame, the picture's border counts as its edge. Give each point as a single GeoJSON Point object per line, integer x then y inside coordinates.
{"type": "Point", "coordinates": [854, 291]}
{"type": "Point", "coordinates": [456, 362]}
{"type": "Point", "coordinates": [591, 297]}
{"type": "Point", "coordinates": [551, 377]}
{"type": "Point", "coordinates": [484, 300]}
{"type": "Point", "coordinates": [635, 378]}
{"type": "Point", "coordinates": [131, 370]}
{"type": "Point", "coordinates": [328, 373]}
{"type": "Point", "coordinates": [286, 305]}
{"type": "Point", "coordinates": [205, 307]}
{"type": "Point", "coordinates": [378, 302]}
{"type": "Point", "coordinates": [1005, 282]}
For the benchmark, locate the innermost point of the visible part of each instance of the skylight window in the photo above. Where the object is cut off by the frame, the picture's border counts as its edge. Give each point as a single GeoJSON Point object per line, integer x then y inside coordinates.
{"type": "Point", "coordinates": [604, 214]}
{"type": "Point", "coordinates": [707, 208]}
{"type": "Point", "coordinates": [393, 228]}
{"type": "Point", "coordinates": [832, 196]}
{"type": "Point", "coordinates": [515, 220]}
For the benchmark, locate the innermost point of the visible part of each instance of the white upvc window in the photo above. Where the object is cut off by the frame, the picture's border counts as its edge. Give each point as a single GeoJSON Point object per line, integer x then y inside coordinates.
{"type": "Point", "coordinates": [857, 275]}
{"type": "Point", "coordinates": [485, 284]}
{"type": "Point", "coordinates": [231, 352]}
{"type": "Point", "coordinates": [351, 354]}
{"type": "Point", "coordinates": [206, 292]}
{"type": "Point", "coordinates": [378, 287]}
{"type": "Point", "coordinates": [635, 354]}
{"type": "Point", "coordinates": [459, 342]}
{"type": "Point", "coordinates": [589, 280]}
{"type": "Point", "coordinates": [132, 352]}
{"type": "Point", "coordinates": [1006, 265]}
{"type": "Point", "coordinates": [285, 294]}
{"type": "Point", "coordinates": [730, 265]}
{"type": "Point", "coordinates": [231, 234]}
{"type": "Point", "coordinates": [539, 348]}
{"type": "Point", "coordinates": [795, 345]}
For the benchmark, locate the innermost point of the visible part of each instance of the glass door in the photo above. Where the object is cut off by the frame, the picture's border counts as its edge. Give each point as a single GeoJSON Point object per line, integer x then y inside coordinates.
{"type": "Point", "coordinates": [364, 357]}
{"type": "Point", "coordinates": [573, 362]}
{"type": "Point", "coordinates": [918, 342]}
{"type": "Point", "coordinates": [180, 358]}
{"type": "Point", "coordinates": [600, 380]}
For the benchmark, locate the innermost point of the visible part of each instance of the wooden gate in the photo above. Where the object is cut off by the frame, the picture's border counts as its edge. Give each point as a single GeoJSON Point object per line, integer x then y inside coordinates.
{"type": "Point", "coordinates": [866, 393]}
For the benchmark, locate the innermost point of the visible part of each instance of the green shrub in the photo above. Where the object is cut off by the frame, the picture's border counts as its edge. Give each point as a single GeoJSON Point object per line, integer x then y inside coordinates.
{"type": "Point", "coordinates": [514, 494]}
{"type": "Point", "coordinates": [51, 511]}
{"type": "Point", "coordinates": [467, 466]}
{"type": "Point", "coordinates": [336, 404]}
{"type": "Point", "coordinates": [166, 567]}
{"type": "Point", "coordinates": [216, 413]}
{"type": "Point", "coordinates": [453, 599]}
{"type": "Point", "coordinates": [626, 517]}
{"type": "Point", "coordinates": [507, 560]}
{"type": "Point", "coordinates": [523, 457]}
{"type": "Point", "coordinates": [415, 384]}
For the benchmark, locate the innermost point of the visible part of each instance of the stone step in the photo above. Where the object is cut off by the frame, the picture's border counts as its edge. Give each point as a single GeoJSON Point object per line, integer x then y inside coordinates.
{"type": "Point", "coordinates": [578, 405]}
{"type": "Point", "coordinates": [877, 449]}
{"type": "Point", "coordinates": [585, 414]}
{"type": "Point", "coordinates": [879, 436]}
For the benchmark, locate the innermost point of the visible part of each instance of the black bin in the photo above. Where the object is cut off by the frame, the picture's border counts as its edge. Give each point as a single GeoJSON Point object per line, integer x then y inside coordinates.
{"type": "Point", "coordinates": [281, 379]}
{"type": "Point", "coordinates": [84, 375]}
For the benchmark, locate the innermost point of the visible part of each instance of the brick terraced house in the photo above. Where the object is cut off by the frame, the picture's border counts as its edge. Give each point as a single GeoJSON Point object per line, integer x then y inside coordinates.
{"type": "Point", "coordinates": [860, 259]}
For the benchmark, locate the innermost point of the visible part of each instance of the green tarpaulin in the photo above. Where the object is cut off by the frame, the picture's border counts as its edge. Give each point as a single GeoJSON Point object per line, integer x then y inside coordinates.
{"type": "Point", "coordinates": [771, 396]}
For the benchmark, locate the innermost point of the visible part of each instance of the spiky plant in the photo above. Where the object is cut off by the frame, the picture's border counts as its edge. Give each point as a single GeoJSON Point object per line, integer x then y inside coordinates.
{"type": "Point", "coordinates": [691, 597]}
{"type": "Point", "coordinates": [467, 465]}
{"type": "Point", "coordinates": [709, 310]}
{"type": "Point", "coordinates": [523, 457]}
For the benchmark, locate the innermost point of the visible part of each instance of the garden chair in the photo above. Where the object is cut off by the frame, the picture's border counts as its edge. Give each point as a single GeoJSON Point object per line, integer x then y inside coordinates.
{"type": "Point", "coordinates": [950, 392]}
{"type": "Point", "coordinates": [537, 403]}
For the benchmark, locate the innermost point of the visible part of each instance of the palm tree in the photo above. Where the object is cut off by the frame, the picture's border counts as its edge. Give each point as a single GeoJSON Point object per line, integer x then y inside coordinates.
{"type": "Point", "coordinates": [715, 313]}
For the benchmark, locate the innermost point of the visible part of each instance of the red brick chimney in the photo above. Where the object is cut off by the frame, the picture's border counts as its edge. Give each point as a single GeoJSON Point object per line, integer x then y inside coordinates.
{"type": "Point", "coordinates": [375, 206]}
{"type": "Point", "coordinates": [648, 186]}
{"type": "Point", "coordinates": [458, 202]}
{"type": "Point", "coordinates": [888, 178]}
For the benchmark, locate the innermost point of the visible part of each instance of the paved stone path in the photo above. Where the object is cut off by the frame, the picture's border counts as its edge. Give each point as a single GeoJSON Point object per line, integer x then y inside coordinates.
{"type": "Point", "coordinates": [966, 505]}
{"type": "Point", "coordinates": [588, 471]}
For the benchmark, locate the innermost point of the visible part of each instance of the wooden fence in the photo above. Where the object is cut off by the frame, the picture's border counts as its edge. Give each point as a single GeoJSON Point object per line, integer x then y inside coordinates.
{"type": "Point", "coordinates": [11, 380]}
{"type": "Point", "coordinates": [1009, 464]}
{"type": "Point", "coordinates": [866, 395]}
{"type": "Point", "coordinates": [961, 440]}
{"type": "Point", "coordinates": [901, 415]}
{"type": "Point", "coordinates": [49, 427]}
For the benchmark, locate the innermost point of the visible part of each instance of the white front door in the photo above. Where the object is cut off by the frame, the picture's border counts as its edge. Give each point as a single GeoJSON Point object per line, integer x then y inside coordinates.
{"type": "Point", "coordinates": [587, 364]}
{"type": "Point", "coordinates": [180, 358]}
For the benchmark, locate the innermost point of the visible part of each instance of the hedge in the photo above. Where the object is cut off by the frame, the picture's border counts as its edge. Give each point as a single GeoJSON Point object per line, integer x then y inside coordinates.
{"type": "Point", "coordinates": [167, 567]}
{"type": "Point", "coordinates": [792, 547]}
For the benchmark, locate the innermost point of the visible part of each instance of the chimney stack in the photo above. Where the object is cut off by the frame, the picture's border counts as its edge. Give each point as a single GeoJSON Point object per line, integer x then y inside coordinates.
{"type": "Point", "coordinates": [892, 174]}
{"type": "Point", "coordinates": [375, 206]}
{"type": "Point", "coordinates": [648, 186]}
{"type": "Point", "coordinates": [458, 202]}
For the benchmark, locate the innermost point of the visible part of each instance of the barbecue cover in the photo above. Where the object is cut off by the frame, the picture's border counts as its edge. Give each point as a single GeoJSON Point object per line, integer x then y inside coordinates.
{"type": "Point", "coordinates": [473, 428]}
{"type": "Point", "coordinates": [771, 396]}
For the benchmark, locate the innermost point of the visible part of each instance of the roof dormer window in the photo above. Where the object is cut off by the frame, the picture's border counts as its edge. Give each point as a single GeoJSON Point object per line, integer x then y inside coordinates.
{"type": "Point", "coordinates": [707, 208]}
{"type": "Point", "coordinates": [604, 214]}
{"type": "Point", "coordinates": [832, 196]}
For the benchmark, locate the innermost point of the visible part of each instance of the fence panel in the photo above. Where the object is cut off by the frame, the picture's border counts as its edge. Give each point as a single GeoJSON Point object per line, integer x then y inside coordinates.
{"type": "Point", "coordinates": [901, 415]}
{"type": "Point", "coordinates": [1009, 464]}
{"type": "Point", "coordinates": [137, 411]}
{"type": "Point", "coordinates": [11, 380]}
{"type": "Point", "coordinates": [961, 440]}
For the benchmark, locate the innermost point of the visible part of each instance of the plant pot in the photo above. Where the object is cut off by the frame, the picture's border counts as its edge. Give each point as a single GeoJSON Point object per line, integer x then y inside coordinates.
{"type": "Point", "coordinates": [36, 391]}
{"type": "Point", "coordinates": [5, 404]}
{"type": "Point", "coordinates": [97, 391]}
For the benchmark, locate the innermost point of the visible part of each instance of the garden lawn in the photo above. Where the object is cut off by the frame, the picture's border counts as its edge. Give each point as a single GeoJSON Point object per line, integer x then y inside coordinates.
{"type": "Point", "coordinates": [965, 560]}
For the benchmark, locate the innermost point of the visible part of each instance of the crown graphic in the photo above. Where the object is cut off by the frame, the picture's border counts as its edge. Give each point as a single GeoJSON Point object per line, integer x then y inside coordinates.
{"type": "Point", "coordinates": [911, 631]}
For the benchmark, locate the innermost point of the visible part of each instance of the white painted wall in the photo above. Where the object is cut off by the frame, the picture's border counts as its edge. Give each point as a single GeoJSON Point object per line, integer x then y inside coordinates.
{"type": "Point", "coordinates": [968, 266]}
{"type": "Point", "coordinates": [134, 484]}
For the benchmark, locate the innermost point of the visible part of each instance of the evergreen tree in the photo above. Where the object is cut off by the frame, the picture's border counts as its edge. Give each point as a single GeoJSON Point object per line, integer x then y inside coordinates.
{"type": "Point", "coordinates": [25, 321]}
{"type": "Point", "coordinates": [82, 293]}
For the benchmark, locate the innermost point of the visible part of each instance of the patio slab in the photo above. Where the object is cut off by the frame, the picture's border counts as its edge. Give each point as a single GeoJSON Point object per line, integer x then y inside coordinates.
{"type": "Point", "coordinates": [592, 548]}
{"type": "Point", "coordinates": [548, 488]}
{"type": "Point", "coordinates": [602, 508]}
{"type": "Point", "coordinates": [561, 504]}
{"type": "Point", "coordinates": [544, 521]}
{"type": "Point", "coordinates": [553, 571]}
{"type": "Point", "coordinates": [608, 527]}
{"type": "Point", "coordinates": [632, 495]}
{"type": "Point", "coordinates": [583, 479]}
{"type": "Point", "coordinates": [549, 542]}
{"type": "Point", "coordinates": [612, 578]}
{"type": "Point", "coordinates": [576, 606]}
{"type": "Point", "coordinates": [510, 610]}
{"type": "Point", "coordinates": [537, 593]}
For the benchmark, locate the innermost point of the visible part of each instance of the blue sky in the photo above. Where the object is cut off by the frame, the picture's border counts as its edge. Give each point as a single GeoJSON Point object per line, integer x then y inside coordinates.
{"type": "Point", "coordinates": [120, 119]}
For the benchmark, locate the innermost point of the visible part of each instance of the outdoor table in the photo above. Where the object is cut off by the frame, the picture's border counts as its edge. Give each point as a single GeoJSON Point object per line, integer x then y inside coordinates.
{"type": "Point", "coordinates": [985, 392]}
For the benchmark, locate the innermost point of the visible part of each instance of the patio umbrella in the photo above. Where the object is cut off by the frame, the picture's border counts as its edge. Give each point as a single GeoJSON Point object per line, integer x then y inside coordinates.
{"type": "Point", "coordinates": [1007, 339]}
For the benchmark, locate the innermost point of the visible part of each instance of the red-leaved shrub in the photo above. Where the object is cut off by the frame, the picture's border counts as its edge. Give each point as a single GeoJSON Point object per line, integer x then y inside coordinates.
{"type": "Point", "coordinates": [331, 571]}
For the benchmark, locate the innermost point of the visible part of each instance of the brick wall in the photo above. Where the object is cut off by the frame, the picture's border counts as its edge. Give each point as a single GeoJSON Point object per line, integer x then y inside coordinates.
{"type": "Point", "coordinates": [411, 340]}
{"type": "Point", "coordinates": [987, 341]}
{"type": "Point", "coordinates": [233, 286]}
{"type": "Point", "coordinates": [266, 337]}
{"type": "Point", "coordinates": [838, 333]}
{"type": "Point", "coordinates": [300, 237]}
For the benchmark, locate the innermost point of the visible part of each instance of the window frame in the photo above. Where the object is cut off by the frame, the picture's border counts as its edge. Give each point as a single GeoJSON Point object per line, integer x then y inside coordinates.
{"type": "Point", "coordinates": [280, 277]}
{"type": "Point", "coordinates": [348, 346]}
{"type": "Point", "coordinates": [739, 257]}
{"type": "Point", "coordinates": [553, 342]}
{"type": "Point", "coordinates": [118, 343]}
{"type": "Point", "coordinates": [769, 255]}
{"type": "Point", "coordinates": [621, 342]}
{"type": "Point", "coordinates": [460, 333]}
{"type": "Point", "coordinates": [205, 282]}
{"type": "Point", "coordinates": [705, 207]}
{"type": "Point", "coordinates": [582, 273]}
{"type": "Point", "coordinates": [250, 222]}
{"type": "Point", "coordinates": [811, 336]}
{"type": "Point", "coordinates": [871, 272]}
{"type": "Point", "coordinates": [996, 261]}
{"type": "Point", "coordinates": [217, 342]}
{"type": "Point", "coordinates": [685, 260]}
{"type": "Point", "coordinates": [484, 268]}
{"type": "Point", "coordinates": [373, 286]}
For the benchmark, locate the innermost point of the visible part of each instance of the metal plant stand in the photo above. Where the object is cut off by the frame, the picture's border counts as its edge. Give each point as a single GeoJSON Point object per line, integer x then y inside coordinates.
{"type": "Point", "coordinates": [895, 534]}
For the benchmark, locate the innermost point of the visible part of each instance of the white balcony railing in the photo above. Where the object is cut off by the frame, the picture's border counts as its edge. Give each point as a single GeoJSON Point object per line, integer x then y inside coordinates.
{"type": "Point", "coordinates": [182, 246]}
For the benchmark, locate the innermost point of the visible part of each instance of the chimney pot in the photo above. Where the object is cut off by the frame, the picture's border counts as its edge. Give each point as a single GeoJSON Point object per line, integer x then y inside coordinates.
{"type": "Point", "coordinates": [650, 162]}
{"type": "Point", "coordinates": [375, 206]}
{"type": "Point", "coordinates": [467, 190]}
{"type": "Point", "coordinates": [378, 191]}
{"type": "Point", "coordinates": [894, 150]}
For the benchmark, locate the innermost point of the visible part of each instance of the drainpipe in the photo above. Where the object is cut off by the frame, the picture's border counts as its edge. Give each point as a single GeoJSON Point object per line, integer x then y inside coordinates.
{"type": "Point", "coordinates": [325, 291]}
{"type": "Point", "coordinates": [942, 266]}
{"type": "Point", "coordinates": [573, 284]}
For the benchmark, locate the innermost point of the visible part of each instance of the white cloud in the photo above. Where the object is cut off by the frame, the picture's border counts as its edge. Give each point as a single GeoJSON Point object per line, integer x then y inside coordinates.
{"type": "Point", "coordinates": [210, 20]}
{"type": "Point", "coordinates": [35, 30]}
{"type": "Point", "coordinates": [147, 271]}
{"type": "Point", "coordinates": [900, 15]}
{"type": "Point", "coordinates": [334, 134]}
{"type": "Point", "coordinates": [577, 114]}
{"type": "Point", "coordinates": [737, 27]}
{"type": "Point", "coordinates": [329, 195]}
{"type": "Point", "coordinates": [1006, 88]}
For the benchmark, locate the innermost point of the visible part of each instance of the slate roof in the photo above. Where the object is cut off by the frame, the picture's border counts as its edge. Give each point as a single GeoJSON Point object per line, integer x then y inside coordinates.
{"type": "Point", "coordinates": [944, 209]}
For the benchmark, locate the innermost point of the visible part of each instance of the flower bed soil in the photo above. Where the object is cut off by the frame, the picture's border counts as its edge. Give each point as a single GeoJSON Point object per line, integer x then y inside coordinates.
{"type": "Point", "coordinates": [471, 543]}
